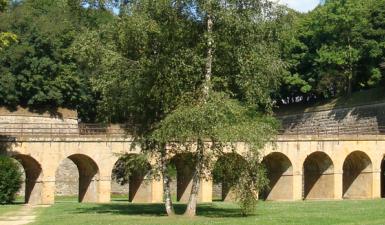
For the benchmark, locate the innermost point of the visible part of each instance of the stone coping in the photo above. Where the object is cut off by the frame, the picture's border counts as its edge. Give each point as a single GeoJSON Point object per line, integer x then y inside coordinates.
{"type": "Point", "coordinates": [61, 113]}
{"type": "Point", "coordinates": [284, 115]}
{"type": "Point", "coordinates": [332, 137]}
{"type": "Point", "coordinates": [280, 138]}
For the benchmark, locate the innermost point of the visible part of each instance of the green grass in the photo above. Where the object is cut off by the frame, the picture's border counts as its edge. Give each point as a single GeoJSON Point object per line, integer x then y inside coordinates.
{"type": "Point", "coordinates": [12, 207]}
{"type": "Point", "coordinates": [308, 212]}
{"type": "Point", "coordinates": [8, 208]}
{"type": "Point", "coordinates": [371, 96]}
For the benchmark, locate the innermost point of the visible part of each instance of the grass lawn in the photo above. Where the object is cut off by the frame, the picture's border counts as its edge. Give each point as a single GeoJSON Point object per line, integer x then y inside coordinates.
{"type": "Point", "coordinates": [8, 208]}
{"type": "Point", "coordinates": [308, 212]}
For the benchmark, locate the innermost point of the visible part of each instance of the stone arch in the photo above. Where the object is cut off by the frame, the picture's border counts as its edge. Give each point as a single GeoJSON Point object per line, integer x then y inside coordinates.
{"type": "Point", "coordinates": [318, 174]}
{"type": "Point", "coordinates": [88, 182]}
{"type": "Point", "coordinates": [222, 181]}
{"type": "Point", "coordinates": [183, 164]}
{"type": "Point", "coordinates": [357, 176]}
{"type": "Point", "coordinates": [33, 175]}
{"type": "Point", "coordinates": [279, 171]}
{"type": "Point", "coordinates": [138, 184]}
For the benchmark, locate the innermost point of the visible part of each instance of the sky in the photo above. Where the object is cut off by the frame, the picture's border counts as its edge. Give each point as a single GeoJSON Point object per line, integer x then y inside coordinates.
{"type": "Point", "coordinates": [301, 5]}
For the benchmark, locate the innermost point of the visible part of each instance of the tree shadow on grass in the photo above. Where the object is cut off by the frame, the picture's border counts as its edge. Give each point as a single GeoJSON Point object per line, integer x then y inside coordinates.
{"type": "Point", "coordinates": [204, 210]}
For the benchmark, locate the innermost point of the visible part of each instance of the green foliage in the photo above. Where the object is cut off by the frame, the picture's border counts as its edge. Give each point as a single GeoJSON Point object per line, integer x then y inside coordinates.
{"type": "Point", "coordinates": [223, 171]}
{"type": "Point", "coordinates": [3, 5]}
{"type": "Point", "coordinates": [129, 166]}
{"type": "Point", "coordinates": [6, 38]}
{"type": "Point", "coordinates": [334, 50]}
{"type": "Point", "coordinates": [252, 180]}
{"type": "Point", "coordinates": [39, 70]}
{"type": "Point", "coordinates": [245, 178]}
{"type": "Point", "coordinates": [220, 119]}
{"type": "Point", "coordinates": [10, 180]}
{"type": "Point", "coordinates": [223, 123]}
{"type": "Point", "coordinates": [139, 73]}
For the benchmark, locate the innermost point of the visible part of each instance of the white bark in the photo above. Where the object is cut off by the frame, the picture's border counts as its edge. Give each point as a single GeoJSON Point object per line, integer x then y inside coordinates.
{"type": "Point", "coordinates": [166, 184]}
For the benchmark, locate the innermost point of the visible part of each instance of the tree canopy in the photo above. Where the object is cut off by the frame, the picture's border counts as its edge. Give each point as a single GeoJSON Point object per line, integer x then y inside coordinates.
{"type": "Point", "coordinates": [333, 50]}
{"type": "Point", "coordinates": [70, 53]}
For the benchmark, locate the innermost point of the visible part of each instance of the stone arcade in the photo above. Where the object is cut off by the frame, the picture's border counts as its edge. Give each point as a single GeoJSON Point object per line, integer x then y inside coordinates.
{"type": "Point", "coordinates": [299, 166]}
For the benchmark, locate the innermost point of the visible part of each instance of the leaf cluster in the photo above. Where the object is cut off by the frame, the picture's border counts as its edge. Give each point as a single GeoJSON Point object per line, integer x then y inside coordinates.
{"type": "Point", "coordinates": [10, 179]}
{"type": "Point", "coordinates": [130, 166]}
{"type": "Point", "coordinates": [220, 119]}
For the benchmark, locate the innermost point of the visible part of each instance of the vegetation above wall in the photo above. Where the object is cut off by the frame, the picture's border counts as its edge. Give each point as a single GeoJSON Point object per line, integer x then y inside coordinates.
{"type": "Point", "coordinates": [360, 98]}
{"type": "Point", "coordinates": [334, 50]}
{"type": "Point", "coordinates": [69, 53]}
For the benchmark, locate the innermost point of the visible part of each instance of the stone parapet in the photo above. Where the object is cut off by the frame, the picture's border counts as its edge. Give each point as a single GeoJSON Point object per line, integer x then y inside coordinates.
{"type": "Point", "coordinates": [362, 119]}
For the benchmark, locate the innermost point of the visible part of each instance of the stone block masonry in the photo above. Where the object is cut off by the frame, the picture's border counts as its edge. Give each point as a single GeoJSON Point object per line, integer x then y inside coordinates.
{"type": "Point", "coordinates": [368, 119]}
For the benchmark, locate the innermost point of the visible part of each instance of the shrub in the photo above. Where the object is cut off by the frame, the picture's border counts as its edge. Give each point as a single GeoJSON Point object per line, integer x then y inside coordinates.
{"type": "Point", "coordinates": [10, 179]}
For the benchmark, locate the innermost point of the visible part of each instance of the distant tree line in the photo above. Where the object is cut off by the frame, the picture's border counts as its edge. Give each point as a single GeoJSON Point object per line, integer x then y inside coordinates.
{"type": "Point", "coordinates": [331, 51]}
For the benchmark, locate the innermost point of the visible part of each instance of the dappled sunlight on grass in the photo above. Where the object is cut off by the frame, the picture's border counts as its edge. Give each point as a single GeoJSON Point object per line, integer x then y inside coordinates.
{"type": "Point", "coordinates": [8, 208]}
{"type": "Point", "coordinates": [307, 212]}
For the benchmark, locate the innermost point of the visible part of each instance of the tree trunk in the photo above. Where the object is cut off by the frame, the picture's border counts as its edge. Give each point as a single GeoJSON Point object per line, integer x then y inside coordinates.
{"type": "Point", "coordinates": [166, 183]}
{"type": "Point", "coordinates": [209, 60]}
{"type": "Point", "coordinates": [351, 70]}
{"type": "Point", "coordinates": [349, 90]}
{"type": "Point", "coordinates": [192, 203]}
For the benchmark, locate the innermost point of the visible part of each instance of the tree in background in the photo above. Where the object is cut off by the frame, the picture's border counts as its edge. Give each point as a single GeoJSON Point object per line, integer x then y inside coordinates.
{"type": "Point", "coordinates": [39, 70]}
{"type": "Point", "coordinates": [10, 179]}
{"type": "Point", "coordinates": [333, 50]}
{"type": "Point", "coordinates": [6, 38]}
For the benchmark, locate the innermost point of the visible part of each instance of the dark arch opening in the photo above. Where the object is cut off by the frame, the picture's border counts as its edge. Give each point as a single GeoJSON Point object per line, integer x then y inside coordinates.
{"type": "Point", "coordinates": [224, 177]}
{"type": "Point", "coordinates": [88, 177]}
{"type": "Point", "coordinates": [181, 170]}
{"type": "Point", "coordinates": [279, 171]}
{"type": "Point", "coordinates": [132, 174]}
{"type": "Point", "coordinates": [33, 172]}
{"type": "Point", "coordinates": [357, 176]}
{"type": "Point", "coordinates": [318, 176]}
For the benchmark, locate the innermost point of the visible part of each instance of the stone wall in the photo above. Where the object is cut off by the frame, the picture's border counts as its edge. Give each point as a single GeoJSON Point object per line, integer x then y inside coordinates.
{"type": "Point", "coordinates": [24, 121]}
{"type": "Point", "coordinates": [366, 119]}
{"type": "Point", "coordinates": [67, 177]}
{"type": "Point", "coordinates": [372, 117]}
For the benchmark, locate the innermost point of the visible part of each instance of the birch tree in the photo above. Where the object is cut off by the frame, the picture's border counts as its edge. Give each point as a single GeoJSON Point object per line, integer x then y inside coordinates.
{"type": "Point", "coordinates": [228, 110]}
{"type": "Point", "coordinates": [199, 72]}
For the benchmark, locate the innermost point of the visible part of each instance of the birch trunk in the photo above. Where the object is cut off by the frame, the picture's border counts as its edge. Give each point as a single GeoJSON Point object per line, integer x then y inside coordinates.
{"type": "Point", "coordinates": [166, 184]}
{"type": "Point", "coordinates": [209, 59]}
{"type": "Point", "coordinates": [192, 203]}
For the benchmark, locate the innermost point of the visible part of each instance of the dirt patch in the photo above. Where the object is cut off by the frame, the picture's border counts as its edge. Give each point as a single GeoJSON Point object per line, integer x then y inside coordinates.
{"type": "Point", "coordinates": [25, 215]}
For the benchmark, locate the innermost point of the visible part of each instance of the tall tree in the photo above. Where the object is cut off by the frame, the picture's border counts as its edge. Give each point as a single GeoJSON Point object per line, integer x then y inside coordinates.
{"type": "Point", "coordinates": [209, 117]}
{"type": "Point", "coordinates": [39, 70]}
{"type": "Point", "coordinates": [141, 66]}
{"type": "Point", "coordinates": [180, 70]}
